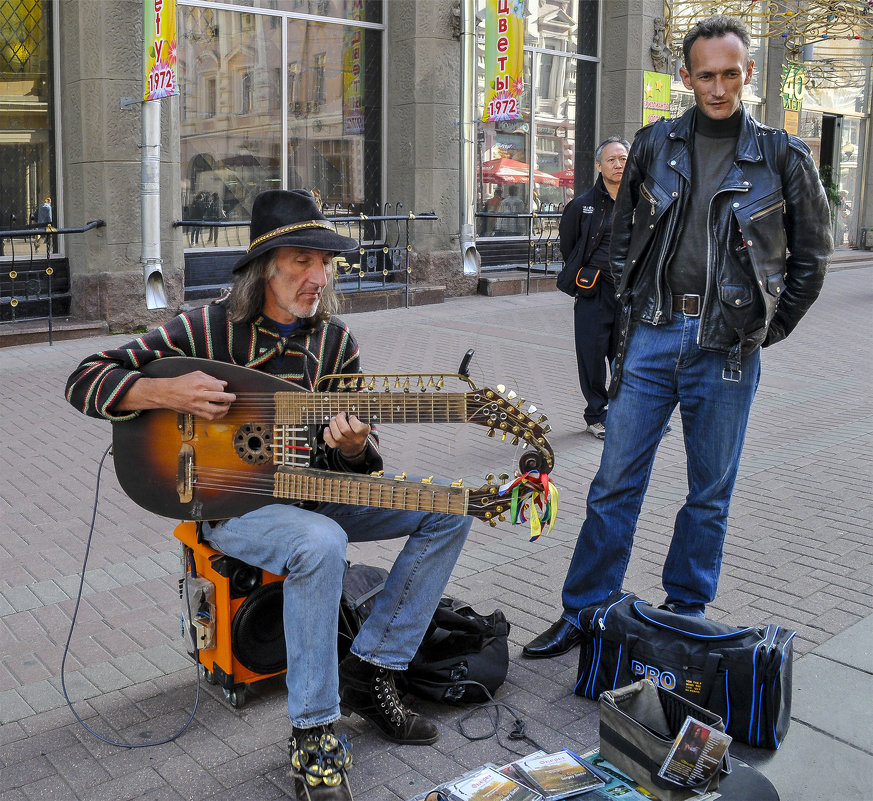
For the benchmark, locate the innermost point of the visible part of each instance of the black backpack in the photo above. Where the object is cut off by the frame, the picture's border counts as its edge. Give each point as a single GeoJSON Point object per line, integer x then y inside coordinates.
{"type": "Point", "coordinates": [461, 653]}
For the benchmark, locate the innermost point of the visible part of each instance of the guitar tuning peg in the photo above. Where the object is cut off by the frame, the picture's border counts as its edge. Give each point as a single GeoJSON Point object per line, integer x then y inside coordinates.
{"type": "Point", "coordinates": [503, 438]}
{"type": "Point", "coordinates": [500, 388]}
{"type": "Point", "coordinates": [377, 473]}
{"type": "Point", "coordinates": [546, 428]}
{"type": "Point", "coordinates": [428, 480]}
{"type": "Point", "coordinates": [440, 383]}
{"type": "Point", "coordinates": [511, 394]}
{"type": "Point", "coordinates": [406, 385]}
{"type": "Point", "coordinates": [519, 402]}
{"type": "Point", "coordinates": [542, 418]}
{"type": "Point", "coordinates": [458, 483]}
{"type": "Point", "coordinates": [430, 382]}
{"type": "Point", "coordinates": [372, 385]}
{"type": "Point", "coordinates": [515, 440]}
{"type": "Point", "coordinates": [490, 432]}
{"type": "Point", "coordinates": [501, 518]}
{"type": "Point", "coordinates": [420, 382]}
{"type": "Point", "coordinates": [397, 382]}
{"type": "Point", "coordinates": [489, 478]}
{"type": "Point", "coordinates": [492, 523]}
{"type": "Point", "coordinates": [503, 476]}
{"type": "Point", "coordinates": [401, 477]}
{"type": "Point", "coordinates": [531, 409]}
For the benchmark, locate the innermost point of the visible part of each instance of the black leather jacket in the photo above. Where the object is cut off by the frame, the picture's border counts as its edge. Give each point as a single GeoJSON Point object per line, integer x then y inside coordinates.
{"type": "Point", "coordinates": [769, 237]}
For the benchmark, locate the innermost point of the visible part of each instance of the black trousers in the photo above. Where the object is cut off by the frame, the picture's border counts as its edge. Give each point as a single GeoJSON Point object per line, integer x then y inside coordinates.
{"type": "Point", "coordinates": [594, 325]}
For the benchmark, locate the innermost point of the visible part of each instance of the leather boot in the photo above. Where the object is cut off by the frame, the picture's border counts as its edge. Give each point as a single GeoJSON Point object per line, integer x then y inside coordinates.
{"type": "Point", "coordinates": [319, 760]}
{"type": "Point", "coordinates": [369, 690]}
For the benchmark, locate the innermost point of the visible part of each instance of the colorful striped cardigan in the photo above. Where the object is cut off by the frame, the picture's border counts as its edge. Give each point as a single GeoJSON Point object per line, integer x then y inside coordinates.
{"type": "Point", "coordinates": [98, 383]}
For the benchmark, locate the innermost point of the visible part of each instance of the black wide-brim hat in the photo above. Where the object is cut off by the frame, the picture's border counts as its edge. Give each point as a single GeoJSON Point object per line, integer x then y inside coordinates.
{"type": "Point", "coordinates": [283, 218]}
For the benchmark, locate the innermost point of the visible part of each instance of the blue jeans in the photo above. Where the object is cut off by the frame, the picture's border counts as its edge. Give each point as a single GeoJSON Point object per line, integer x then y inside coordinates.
{"type": "Point", "coordinates": [310, 547]}
{"type": "Point", "coordinates": [664, 366]}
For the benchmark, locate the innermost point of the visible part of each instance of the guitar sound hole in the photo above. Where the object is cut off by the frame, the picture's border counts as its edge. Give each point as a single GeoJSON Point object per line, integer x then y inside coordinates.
{"type": "Point", "coordinates": [253, 443]}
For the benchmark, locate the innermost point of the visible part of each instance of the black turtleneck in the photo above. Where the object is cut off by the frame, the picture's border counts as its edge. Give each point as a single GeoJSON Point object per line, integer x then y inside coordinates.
{"type": "Point", "coordinates": [712, 154]}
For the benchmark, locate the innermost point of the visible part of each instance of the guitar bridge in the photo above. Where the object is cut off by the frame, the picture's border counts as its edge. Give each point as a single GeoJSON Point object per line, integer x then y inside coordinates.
{"type": "Point", "coordinates": [185, 473]}
{"type": "Point", "coordinates": [291, 446]}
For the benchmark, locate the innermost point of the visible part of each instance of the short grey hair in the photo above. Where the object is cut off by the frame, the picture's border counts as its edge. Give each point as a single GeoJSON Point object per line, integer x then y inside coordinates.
{"type": "Point", "coordinates": [610, 140]}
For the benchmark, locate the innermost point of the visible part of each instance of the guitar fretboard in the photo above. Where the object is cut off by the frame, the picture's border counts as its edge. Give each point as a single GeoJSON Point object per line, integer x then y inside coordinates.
{"type": "Point", "coordinates": [360, 490]}
{"type": "Point", "coordinates": [298, 408]}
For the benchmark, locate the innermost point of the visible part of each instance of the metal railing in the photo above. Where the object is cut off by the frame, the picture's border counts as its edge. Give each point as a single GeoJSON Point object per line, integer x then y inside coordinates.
{"type": "Point", "coordinates": [542, 238]}
{"type": "Point", "coordinates": [32, 281]}
{"type": "Point", "coordinates": [381, 261]}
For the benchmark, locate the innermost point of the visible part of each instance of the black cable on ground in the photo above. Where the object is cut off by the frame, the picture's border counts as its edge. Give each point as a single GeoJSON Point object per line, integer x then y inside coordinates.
{"type": "Point", "coordinates": [73, 625]}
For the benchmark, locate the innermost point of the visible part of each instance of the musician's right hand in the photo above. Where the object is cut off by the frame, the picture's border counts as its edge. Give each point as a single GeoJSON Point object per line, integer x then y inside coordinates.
{"type": "Point", "coordinates": [192, 393]}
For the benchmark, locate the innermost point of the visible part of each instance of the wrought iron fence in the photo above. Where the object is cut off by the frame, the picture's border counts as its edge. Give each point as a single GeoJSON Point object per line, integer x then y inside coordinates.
{"type": "Point", "coordinates": [542, 238]}
{"type": "Point", "coordinates": [381, 261]}
{"type": "Point", "coordinates": [35, 283]}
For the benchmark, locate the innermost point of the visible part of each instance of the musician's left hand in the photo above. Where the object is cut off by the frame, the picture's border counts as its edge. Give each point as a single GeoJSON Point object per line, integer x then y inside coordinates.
{"type": "Point", "coordinates": [348, 434]}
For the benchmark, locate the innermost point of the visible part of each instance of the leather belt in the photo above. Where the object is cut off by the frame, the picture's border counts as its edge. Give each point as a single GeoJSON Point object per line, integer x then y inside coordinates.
{"type": "Point", "coordinates": [689, 305]}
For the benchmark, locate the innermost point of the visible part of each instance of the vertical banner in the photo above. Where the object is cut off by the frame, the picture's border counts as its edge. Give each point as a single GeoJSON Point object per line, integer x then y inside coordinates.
{"type": "Point", "coordinates": [353, 65]}
{"type": "Point", "coordinates": [656, 96]}
{"type": "Point", "coordinates": [160, 49]}
{"type": "Point", "coordinates": [504, 59]}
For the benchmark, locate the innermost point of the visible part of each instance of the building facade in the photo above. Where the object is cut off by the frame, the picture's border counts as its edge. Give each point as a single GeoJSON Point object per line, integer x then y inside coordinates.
{"type": "Point", "coordinates": [368, 103]}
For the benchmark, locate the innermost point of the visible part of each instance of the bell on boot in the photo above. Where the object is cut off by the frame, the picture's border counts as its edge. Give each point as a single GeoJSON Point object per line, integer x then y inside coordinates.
{"type": "Point", "coordinates": [319, 760]}
{"type": "Point", "coordinates": [369, 690]}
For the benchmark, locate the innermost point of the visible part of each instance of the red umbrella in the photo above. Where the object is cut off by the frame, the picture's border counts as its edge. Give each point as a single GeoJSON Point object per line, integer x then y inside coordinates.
{"type": "Point", "coordinates": [509, 171]}
{"type": "Point", "coordinates": [566, 178]}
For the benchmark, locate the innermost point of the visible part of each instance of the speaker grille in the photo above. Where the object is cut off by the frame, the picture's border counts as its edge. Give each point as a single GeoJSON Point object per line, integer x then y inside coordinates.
{"type": "Point", "coordinates": [257, 636]}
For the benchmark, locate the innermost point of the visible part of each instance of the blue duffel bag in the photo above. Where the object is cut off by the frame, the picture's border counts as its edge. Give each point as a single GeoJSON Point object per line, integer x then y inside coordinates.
{"type": "Point", "coordinates": [741, 674]}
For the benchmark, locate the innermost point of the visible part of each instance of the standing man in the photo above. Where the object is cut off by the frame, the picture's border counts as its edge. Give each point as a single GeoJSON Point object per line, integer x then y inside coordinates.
{"type": "Point", "coordinates": [585, 234]}
{"type": "Point", "coordinates": [277, 319]}
{"type": "Point", "coordinates": [721, 240]}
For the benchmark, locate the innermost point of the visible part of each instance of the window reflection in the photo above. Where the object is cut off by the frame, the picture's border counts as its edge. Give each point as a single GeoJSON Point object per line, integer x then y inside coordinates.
{"type": "Point", "coordinates": [26, 132]}
{"type": "Point", "coordinates": [231, 80]}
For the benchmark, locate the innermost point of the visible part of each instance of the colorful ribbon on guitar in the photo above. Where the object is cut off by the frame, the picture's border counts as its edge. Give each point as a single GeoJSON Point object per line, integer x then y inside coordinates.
{"type": "Point", "coordinates": [532, 495]}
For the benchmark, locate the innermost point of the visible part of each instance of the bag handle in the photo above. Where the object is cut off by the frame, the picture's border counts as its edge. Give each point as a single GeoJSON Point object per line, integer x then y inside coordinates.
{"type": "Point", "coordinates": [664, 619]}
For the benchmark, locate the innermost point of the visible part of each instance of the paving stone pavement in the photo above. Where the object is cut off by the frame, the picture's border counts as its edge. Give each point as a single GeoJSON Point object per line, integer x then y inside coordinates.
{"type": "Point", "coordinates": [799, 552]}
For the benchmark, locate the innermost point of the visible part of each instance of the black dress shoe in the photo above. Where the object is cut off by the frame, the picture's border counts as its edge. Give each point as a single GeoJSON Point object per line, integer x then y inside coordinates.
{"type": "Point", "coordinates": [557, 639]}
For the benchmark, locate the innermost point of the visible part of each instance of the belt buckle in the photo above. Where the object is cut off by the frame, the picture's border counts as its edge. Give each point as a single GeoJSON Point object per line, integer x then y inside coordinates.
{"type": "Point", "coordinates": [685, 299]}
{"type": "Point", "coordinates": [732, 374]}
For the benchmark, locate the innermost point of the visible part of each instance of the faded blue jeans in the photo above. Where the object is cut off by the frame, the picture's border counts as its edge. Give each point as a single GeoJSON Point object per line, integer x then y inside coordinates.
{"type": "Point", "coordinates": [310, 547]}
{"type": "Point", "coordinates": [664, 367]}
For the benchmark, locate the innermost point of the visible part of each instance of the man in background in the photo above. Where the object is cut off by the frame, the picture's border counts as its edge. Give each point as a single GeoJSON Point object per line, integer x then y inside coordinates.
{"type": "Point", "coordinates": [585, 234]}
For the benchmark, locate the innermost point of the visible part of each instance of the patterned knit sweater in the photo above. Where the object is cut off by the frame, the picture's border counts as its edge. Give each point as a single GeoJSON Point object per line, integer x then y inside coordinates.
{"type": "Point", "coordinates": [101, 380]}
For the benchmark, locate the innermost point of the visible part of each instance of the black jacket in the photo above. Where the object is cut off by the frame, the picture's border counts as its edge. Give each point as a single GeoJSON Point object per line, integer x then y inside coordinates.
{"type": "Point", "coordinates": [582, 223]}
{"type": "Point", "coordinates": [769, 237]}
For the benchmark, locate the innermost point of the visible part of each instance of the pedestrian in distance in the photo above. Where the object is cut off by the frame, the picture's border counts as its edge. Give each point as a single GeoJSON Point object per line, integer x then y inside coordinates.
{"type": "Point", "coordinates": [720, 243]}
{"type": "Point", "coordinates": [278, 318]}
{"type": "Point", "coordinates": [585, 233]}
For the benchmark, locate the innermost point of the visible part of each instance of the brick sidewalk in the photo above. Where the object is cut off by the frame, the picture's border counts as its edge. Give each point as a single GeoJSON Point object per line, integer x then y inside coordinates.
{"type": "Point", "coordinates": [799, 552]}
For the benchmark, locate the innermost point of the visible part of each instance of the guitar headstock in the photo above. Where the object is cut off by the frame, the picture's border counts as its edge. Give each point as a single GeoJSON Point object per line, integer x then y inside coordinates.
{"type": "Point", "coordinates": [501, 412]}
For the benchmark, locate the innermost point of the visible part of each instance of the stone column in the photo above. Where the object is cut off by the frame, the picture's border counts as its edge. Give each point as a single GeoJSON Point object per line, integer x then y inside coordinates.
{"type": "Point", "coordinates": [422, 148]}
{"type": "Point", "coordinates": [628, 31]}
{"type": "Point", "coordinates": [101, 61]}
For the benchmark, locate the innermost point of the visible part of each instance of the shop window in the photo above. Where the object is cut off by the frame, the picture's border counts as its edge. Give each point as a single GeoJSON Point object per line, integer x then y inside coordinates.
{"type": "Point", "coordinates": [27, 153]}
{"type": "Point", "coordinates": [332, 107]}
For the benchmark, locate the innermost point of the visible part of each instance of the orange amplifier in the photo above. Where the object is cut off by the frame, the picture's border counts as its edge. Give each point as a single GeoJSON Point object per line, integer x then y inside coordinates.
{"type": "Point", "coordinates": [233, 612]}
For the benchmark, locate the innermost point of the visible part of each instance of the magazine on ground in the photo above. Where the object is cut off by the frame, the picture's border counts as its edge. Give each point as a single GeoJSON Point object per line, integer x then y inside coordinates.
{"type": "Point", "coordinates": [487, 783]}
{"type": "Point", "coordinates": [558, 775]}
{"type": "Point", "coordinates": [696, 754]}
{"type": "Point", "coordinates": [622, 786]}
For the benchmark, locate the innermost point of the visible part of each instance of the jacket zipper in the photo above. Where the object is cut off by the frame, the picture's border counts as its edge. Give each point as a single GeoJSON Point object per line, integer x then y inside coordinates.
{"type": "Point", "coordinates": [706, 291]}
{"type": "Point", "coordinates": [764, 212]}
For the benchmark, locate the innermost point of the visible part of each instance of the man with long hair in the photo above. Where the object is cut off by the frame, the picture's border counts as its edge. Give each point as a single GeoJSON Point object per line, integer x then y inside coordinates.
{"type": "Point", "coordinates": [278, 319]}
